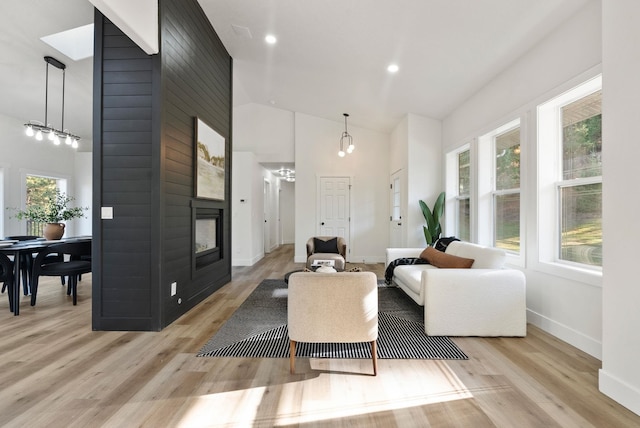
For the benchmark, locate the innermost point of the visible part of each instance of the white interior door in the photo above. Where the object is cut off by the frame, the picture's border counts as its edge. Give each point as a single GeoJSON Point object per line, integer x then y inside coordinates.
{"type": "Point", "coordinates": [334, 210]}
{"type": "Point", "coordinates": [396, 228]}
{"type": "Point", "coordinates": [267, 215]}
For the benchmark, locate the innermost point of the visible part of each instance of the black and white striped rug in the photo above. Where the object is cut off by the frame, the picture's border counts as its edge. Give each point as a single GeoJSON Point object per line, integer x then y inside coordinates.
{"type": "Point", "coordinates": [258, 330]}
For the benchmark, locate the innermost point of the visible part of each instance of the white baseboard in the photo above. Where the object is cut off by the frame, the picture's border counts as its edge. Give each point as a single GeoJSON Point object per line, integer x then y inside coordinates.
{"type": "Point", "coordinates": [620, 391]}
{"type": "Point", "coordinates": [247, 262]}
{"type": "Point", "coordinates": [573, 337]}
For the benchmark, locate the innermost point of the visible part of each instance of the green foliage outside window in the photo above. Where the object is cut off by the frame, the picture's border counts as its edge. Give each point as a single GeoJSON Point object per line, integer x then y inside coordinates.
{"type": "Point", "coordinates": [39, 190]}
{"type": "Point", "coordinates": [507, 205]}
{"type": "Point", "coordinates": [581, 205]}
{"type": "Point", "coordinates": [582, 148]}
{"type": "Point", "coordinates": [46, 203]}
{"type": "Point", "coordinates": [464, 173]}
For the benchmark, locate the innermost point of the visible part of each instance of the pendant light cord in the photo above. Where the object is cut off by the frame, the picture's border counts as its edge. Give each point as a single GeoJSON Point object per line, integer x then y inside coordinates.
{"type": "Point", "coordinates": [46, 94]}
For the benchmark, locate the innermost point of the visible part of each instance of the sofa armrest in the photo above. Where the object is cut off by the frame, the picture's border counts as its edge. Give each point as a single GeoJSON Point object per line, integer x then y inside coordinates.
{"type": "Point", "coordinates": [399, 253]}
{"type": "Point", "coordinates": [474, 302]}
{"type": "Point", "coordinates": [342, 247]}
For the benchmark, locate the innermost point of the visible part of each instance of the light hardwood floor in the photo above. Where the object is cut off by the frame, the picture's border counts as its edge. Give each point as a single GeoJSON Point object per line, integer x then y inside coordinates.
{"type": "Point", "coordinates": [56, 372]}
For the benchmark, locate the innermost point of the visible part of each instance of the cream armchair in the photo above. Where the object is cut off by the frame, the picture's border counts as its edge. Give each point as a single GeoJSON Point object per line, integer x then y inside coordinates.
{"type": "Point", "coordinates": [327, 251]}
{"type": "Point", "coordinates": [339, 307]}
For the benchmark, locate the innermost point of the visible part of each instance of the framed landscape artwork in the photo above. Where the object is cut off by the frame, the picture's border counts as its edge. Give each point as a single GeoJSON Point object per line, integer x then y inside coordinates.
{"type": "Point", "coordinates": [210, 162]}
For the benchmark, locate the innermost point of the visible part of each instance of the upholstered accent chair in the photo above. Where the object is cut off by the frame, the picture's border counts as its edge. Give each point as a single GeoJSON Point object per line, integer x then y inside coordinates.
{"type": "Point", "coordinates": [340, 307]}
{"type": "Point", "coordinates": [327, 248]}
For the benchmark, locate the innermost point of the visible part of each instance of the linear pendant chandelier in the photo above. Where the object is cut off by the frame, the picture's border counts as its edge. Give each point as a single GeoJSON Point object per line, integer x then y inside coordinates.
{"type": "Point", "coordinates": [37, 129]}
{"type": "Point", "coordinates": [346, 139]}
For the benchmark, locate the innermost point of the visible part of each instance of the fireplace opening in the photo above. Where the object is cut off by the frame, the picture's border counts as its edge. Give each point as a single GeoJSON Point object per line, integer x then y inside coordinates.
{"type": "Point", "coordinates": [207, 236]}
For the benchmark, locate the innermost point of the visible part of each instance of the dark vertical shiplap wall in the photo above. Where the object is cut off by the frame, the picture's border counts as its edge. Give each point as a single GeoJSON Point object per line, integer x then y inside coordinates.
{"type": "Point", "coordinates": [144, 110]}
{"type": "Point", "coordinates": [123, 297]}
{"type": "Point", "coordinates": [196, 80]}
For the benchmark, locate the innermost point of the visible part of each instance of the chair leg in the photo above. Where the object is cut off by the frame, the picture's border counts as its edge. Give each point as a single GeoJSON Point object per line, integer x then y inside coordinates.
{"type": "Point", "coordinates": [25, 281]}
{"type": "Point", "coordinates": [10, 286]}
{"type": "Point", "coordinates": [374, 357]}
{"type": "Point", "coordinates": [28, 267]}
{"type": "Point", "coordinates": [73, 280]}
{"type": "Point", "coordinates": [292, 356]}
{"type": "Point", "coordinates": [34, 290]}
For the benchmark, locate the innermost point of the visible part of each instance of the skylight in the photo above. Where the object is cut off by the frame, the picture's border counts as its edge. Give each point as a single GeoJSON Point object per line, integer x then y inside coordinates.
{"type": "Point", "coordinates": [76, 43]}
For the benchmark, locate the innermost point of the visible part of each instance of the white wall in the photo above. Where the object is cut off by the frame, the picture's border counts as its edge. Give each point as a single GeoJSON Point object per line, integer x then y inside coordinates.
{"type": "Point", "coordinates": [399, 164]}
{"type": "Point", "coordinates": [573, 48]}
{"type": "Point", "coordinates": [260, 134]}
{"type": "Point", "coordinates": [83, 191]}
{"type": "Point", "coordinates": [287, 212]}
{"type": "Point", "coordinates": [620, 373]}
{"type": "Point", "coordinates": [246, 210]}
{"type": "Point", "coordinates": [271, 210]}
{"type": "Point", "coordinates": [23, 155]}
{"type": "Point", "coordinates": [566, 305]}
{"type": "Point", "coordinates": [316, 155]}
{"type": "Point", "coordinates": [267, 134]}
{"type": "Point", "coordinates": [138, 20]}
{"type": "Point", "coordinates": [416, 150]}
{"type": "Point", "coordinates": [424, 173]}
{"type": "Point", "coordinates": [265, 131]}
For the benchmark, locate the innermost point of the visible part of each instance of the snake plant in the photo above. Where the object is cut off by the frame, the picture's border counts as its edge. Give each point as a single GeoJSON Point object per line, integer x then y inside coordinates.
{"type": "Point", "coordinates": [433, 229]}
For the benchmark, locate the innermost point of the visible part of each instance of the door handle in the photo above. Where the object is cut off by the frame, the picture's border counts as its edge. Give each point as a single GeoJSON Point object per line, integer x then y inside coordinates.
{"type": "Point", "coordinates": [322, 224]}
{"type": "Point", "coordinates": [399, 224]}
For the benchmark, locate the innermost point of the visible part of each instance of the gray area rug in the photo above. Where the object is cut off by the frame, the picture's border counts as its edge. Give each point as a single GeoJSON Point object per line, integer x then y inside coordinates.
{"type": "Point", "coordinates": [258, 329]}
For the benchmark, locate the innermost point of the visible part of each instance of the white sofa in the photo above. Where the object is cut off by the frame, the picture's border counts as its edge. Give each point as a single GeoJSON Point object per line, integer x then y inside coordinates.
{"type": "Point", "coordinates": [485, 300]}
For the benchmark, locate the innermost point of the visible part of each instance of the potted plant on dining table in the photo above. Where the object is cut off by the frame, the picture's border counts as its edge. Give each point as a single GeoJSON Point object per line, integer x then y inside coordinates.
{"type": "Point", "coordinates": [52, 212]}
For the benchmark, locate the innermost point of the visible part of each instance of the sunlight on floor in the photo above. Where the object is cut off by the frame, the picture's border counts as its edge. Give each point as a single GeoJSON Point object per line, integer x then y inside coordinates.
{"type": "Point", "coordinates": [337, 391]}
{"type": "Point", "coordinates": [233, 408]}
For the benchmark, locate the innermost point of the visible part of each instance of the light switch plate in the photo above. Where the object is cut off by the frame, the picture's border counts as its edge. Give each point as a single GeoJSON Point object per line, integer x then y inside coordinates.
{"type": "Point", "coordinates": [106, 213]}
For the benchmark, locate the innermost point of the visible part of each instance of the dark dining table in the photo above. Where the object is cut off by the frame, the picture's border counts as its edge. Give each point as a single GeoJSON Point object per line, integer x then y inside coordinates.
{"type": "Point", "coordinates": [17, 249]}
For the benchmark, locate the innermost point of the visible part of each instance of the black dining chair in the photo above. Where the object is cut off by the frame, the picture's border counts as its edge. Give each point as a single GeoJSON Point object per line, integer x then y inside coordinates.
{"type": "Point", "coordinates": [72, 267]}
{"type": "Point", "coordinates": [26, 264]}
{"type": "Point", "coordinates": [6, 276]}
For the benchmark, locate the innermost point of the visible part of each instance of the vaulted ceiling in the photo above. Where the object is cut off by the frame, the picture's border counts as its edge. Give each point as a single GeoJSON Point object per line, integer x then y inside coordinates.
{"type": "Point", "coordinates": [331, 55]}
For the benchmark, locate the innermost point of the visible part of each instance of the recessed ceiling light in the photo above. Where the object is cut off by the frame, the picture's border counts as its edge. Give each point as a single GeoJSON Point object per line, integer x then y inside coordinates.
{"type": "Point", "coordinates": [393, 68]}
{"type": "Point", "coordinates": [271, 39]}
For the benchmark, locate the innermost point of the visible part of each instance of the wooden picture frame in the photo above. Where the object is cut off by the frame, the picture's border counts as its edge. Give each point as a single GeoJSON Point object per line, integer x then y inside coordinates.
{"type": "Point", "coordinates": [210, 162]}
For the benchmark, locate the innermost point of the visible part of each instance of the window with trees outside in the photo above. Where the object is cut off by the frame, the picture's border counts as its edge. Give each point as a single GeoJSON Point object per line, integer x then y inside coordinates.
{"type": "Point", "coordinates": [570, 176]}
{"type": "Point", "coordinates": [580, 189]}
{"type": "Point", "coordinates": [463, 197]}
{"type": "Point", "coordinates": [39, 191]}
{"type": "Point", "coordinates": [506, 193]}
